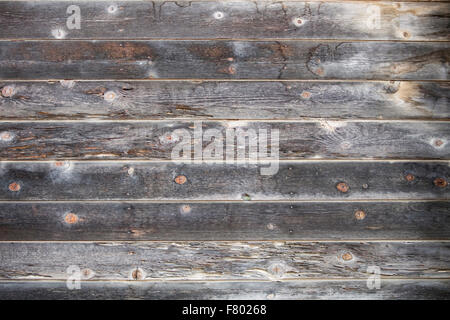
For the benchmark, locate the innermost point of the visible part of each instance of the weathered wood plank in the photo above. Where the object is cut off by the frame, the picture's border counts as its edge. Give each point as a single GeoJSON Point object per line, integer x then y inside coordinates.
{"type": "Point", "coordinates": [224, 260]}
{"type": "Point", "coordinates": [224, 221]}
{"type": "Point", "coordinates": [212, 20]}
{"type": "Point", "coordinates": [223, 60]}
{"type": "Point", "coordinates": [286, 290]}
{"type": "Point", "coordinates": [70, 100]}
{"type": "Point", "coordinates": [161, 140]}
{"type": "Point", "coordinates": [315, 180]}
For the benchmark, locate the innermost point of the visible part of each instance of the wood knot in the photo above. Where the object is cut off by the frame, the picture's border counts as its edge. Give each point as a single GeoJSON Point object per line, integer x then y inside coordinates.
{"type": "Point", "coordinates": [180, 179]}
{"type": "Point", "coordinates": [409, 177]}
{"type": "Point", "coordinates": [71, 218]}
{"type": "Point", "coordinates": [246, 197]}
{"type": "Point", "coordinates": [185, 209]}
{"type": "Point", "coordinates": [360, 215]}
{"type": "Point", "coordinates": [112, 8]}
{"type": "Point", "coordinates": [297, 22]}
{"type": "Point", "coordinates": [218, 15]}
{"type": "Point", "coordinates": [6, 136]}
{"type": "Point", "coordinates": [14, 187]}
{"type": "Point", "coordinates": [406, 34]}
{"type": "Point", "coordinates": [138, 274]}
{"type": "Point", "coordinates": [440, 182]}
{"type": "Point", "coordinates": [8, 91]}
{"type": "Point", "coordinates": [342, 187]}
{"type": "Point", "coordinates": [109, 96]}
{"type": "Point", "coordinates": [347, 256]}
{"type": "Point", "coordinates": [306, 95]}
{"type": "Point", "coordinates": [277, 269]}
{"type": "Point", "coordinates": [438, 142]}
{"type": "Point", "coordinates": [87, 274]}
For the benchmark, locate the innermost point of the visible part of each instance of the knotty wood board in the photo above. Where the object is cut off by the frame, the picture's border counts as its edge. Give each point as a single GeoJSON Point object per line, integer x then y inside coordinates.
{"type": "Point", "coordinates": [224, 260]}
{"type": "Point", "coordinates": [134, 100]}
{"type": "Point", "coordinates": [240, 19]}
{"type": "Point", "coordinates": [159, 140]}
{"type": "Point", "coordinates": [109, 221]}
{"type": "Point", "coordinates": [223, 60]}
{"type": "Point", "coordinates": [314, 180]}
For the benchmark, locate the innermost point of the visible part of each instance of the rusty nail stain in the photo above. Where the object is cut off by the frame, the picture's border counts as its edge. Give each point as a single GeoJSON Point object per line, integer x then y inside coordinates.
{"type": "Point", "coordinates": [342, 187]}
{"type": "Point", "coordinates": [409, 177]}
{"type": "Point", "coordinates": [360, 215]}
{"type": "Point", "coordinates": [347, 256]}
{"type": "Point", "coordinates": [180, 179]}
{"type": "Point", "coordinates": [440, 182]}
{"type": "Point", "coordinates": [185, 208]}
{"type": "Point", "coordinates": [438, 142]}
{"type": "Point", "coordinates": [14, 187]}
{"type": "Point", "coordinates": [306, 94]}
{"type": "Point", "coordinates": [71, 218]}
{"type": "Point", "coordinates": [7, 91]}
{"type": "Point", "coordinates": [270, 226]}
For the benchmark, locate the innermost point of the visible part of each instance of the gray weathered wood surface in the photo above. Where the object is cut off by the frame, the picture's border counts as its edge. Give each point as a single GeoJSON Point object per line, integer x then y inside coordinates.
{"type": "Point", "coordinates": [313, 180]}
{"type": "Point", "coordinates": [200, 290]}
{"type": "Point", "coordinates": [224, 260]}
{"type": "Point", "coordinates": [156, 100]}
{"type": "Point", "coordinates": [86, 133]}
{"type": "Point", "coordinates": [159, 140]}
{"type": "Point", "coordinates": [223, 60]}
{"type": "Point", "coordinates": [237, 19]}
{"type": "Point", "coordinates": [224, 221]}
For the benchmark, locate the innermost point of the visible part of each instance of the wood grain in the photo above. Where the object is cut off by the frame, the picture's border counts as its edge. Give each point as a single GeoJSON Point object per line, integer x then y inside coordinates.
{"type": "Point", "coordinates": [136, 100]}
{"type": "Point", "coordinates": [286, 290]}
{"type": "Point", "coordinates": [241, 19]}
{"type": "Point", "coordinates": [313, 180]}
{"type": "Point", "coordinates": [109, 221]}
{"type": "Point", "coordinates": [224, 260]}
{"type": "Point", "coordinates": [223, 60]}
{"type": "Point", "coordinates": [161, 140]}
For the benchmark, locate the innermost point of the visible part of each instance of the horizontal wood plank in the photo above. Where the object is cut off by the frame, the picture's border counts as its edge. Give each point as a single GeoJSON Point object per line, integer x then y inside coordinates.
{"type": "Point", "coordinates": [163, 140]}
{"type": "Point", "coordinates": [286, 290]}
{"type": "Point", "coordinates": [223, 19]}
{"type": "Point", "coordinates": [223, 60]}
{"type": "Point", "coordinates": [315, 180]}
{"type": "Point", "coordinates": [153, 100]}
{"type": "Point", "coordinates": [224, 260]}
{"type": "Point", "coordinates": [109, 221]}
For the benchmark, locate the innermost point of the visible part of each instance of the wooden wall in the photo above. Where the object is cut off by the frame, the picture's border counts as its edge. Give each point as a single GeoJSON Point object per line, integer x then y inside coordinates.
{"type": "Point", "coordinates": [357, 89]}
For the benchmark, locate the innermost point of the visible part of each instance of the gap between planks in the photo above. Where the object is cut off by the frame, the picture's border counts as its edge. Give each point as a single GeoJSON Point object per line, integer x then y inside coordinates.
{"type": "Point", "coordinates": [393, 279]}
{"type": "Point", "coordinates": [217, 39]}
{"type": "Point", "coordinates": [307, 120]}
{"type": "Point", "coordinates": [233, 162]}
{"type": "Point", "coordinates": [140, 242]}
{"type": "Point", "coordinates": [225, 201]}
{"type": "Point", "coordinates": [195, 80]}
